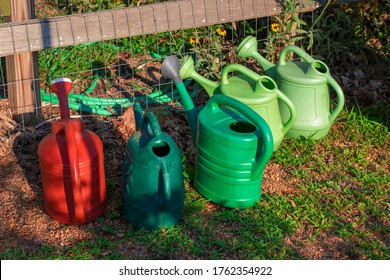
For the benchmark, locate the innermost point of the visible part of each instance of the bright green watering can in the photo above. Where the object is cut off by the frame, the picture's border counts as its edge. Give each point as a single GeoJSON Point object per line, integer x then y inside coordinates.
{"type": "Point", "coordinates": [258, 92]}
{"type": "Point", "coordinates": [152, 176]}
{"type": "Point", "coordinates": [306, 83]}
{"type": "Point", "coordinates": [233, 145]}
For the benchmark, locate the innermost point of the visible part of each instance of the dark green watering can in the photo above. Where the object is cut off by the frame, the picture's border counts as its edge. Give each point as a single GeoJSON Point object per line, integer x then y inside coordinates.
{"type": "Point", "coordinates": [306, 83]}
{"type": "Point", "coordinates": [258, 92]}
{"type": "Point", "coordinates": [152, 176]}
{"type": "Point", "coordinates": [233, 145]}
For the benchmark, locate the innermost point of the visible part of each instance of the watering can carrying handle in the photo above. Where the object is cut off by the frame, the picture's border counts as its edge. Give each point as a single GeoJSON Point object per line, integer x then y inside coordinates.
{"type": "Point", "coordinates": [79, 215]}
{"type": "Point", "coordinates": [239, 68]}
{"type": "Point", "coordinates": [297, 50]}
{"type": "Point", "coordinates": [167, 185]}
{"type": "Point", "coordinates": [255, 118]}
{"type": "Point", "coordinates": [291, 107]}
{"type": "Point", "coordinates": [340, 99]}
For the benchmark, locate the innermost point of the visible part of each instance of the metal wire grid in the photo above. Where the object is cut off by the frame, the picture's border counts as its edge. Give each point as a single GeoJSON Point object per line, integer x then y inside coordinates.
{"type": "Point", "coordinates": [83, 67]}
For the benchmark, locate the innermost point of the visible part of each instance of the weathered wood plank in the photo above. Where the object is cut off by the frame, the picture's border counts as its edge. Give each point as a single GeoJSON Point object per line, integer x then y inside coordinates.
{"type": "Point", "coordinates": [22, 68]}
{"type": "Point", "coordinates": [34, 35]}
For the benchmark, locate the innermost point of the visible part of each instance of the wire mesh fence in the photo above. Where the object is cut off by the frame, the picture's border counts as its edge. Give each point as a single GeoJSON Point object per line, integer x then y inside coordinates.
{"type": "Point", "coordinates": [126, 69]}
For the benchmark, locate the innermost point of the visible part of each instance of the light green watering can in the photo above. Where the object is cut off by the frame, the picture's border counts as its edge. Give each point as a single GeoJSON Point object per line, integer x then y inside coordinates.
{"type": "Point", "coordinates": [258, 92]}
{"type": "Point", "coordinates": [306, 83]}
{"type": "Point", "coordinates": [233, 145]}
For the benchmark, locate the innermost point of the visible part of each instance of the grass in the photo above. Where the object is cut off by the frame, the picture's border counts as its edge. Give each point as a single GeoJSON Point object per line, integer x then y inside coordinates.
{"type": "Point", "coordinates": [342, 196]}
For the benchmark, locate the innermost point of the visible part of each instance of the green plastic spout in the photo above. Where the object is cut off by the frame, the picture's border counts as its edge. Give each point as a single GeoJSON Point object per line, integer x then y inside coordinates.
{"type": "Point", "coordinates": [191, 113]}
{"type": "Point", "coordinates": [170, 70]}
{"type": "Point", "coordinates": [248, 48]}
{"type": "Point", "coordinates": [187, 70]}
{"type": "Point", "coordinates": [138, 115]}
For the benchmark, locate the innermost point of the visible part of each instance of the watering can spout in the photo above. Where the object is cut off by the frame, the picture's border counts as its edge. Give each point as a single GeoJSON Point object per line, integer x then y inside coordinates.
{"type": "Point", "coordinates": [187, 70]}
{"type": "Point", "coordinates": [138, 115]}
{"type": "Point", "coordinates": [248, 48]}
{"type": "Point", "coordinates": [170, 69]}
{"type": "Point", "coordinates": [62, 87]}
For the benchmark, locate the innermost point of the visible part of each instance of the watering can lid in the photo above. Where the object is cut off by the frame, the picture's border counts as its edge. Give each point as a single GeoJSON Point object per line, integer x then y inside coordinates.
{"type": "Point", "coordinates": [298, 72]}
{"type": "Point", "coordinates": [220, 130]}
{"type": "Point", "coordinates": [244, 89]}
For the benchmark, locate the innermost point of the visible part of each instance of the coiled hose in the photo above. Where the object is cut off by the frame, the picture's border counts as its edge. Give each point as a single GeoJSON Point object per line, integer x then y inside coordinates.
{"type": "Point", "coordinates": [113, 106]}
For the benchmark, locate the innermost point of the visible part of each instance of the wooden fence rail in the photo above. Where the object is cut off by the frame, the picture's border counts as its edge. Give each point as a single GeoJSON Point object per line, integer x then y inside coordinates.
{"type": "Point", "coordinates": [39, 34]}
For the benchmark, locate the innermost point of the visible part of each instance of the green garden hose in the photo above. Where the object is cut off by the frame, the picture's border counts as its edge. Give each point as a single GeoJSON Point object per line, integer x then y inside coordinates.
{"type": "Point", "coordinates": [111, 106]}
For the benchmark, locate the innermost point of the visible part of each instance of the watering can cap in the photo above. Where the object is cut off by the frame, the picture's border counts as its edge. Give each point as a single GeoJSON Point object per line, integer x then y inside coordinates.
{"type": "Point", "coordinates": [303, 73]}
{"type": "Point", "coordinates": [61, 80]}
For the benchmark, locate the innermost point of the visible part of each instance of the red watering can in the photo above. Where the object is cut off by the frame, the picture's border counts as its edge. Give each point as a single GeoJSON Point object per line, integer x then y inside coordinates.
{"type": "Point", "coordinates": [72, 166]}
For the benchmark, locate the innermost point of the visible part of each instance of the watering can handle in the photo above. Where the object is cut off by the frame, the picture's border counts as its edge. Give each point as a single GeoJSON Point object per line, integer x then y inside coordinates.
{"type": "Point", "coordinates": [166, 185]}
{"type": "Point", "coordinates": [340, 99]}
{"type": "Point", "coordinates": [291, 107]}
{"type": "Point", "coordinates": [297, 50]}
{"type": "Point", "coordinates": [153, 123]}
{"type": "Point", "coordinates": [255, 118]}
{"type": "Point", "coordinates": [239, 68]}
{"type": "Point", "coordinates": [79, 215]}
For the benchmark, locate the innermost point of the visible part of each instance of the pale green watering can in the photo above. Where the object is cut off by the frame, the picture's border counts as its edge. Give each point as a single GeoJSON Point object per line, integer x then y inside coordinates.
{"type": "Point", "coordinates": [233, 145]}
{"type": "Point", "coordinates": [306, 83]}
{"type": "Point", "coordinates": [258, 92]}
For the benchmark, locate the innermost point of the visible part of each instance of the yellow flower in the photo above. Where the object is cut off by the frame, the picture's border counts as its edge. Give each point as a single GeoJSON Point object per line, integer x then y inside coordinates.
{"type": "Point", "coordinates": [194, 40]}
{"type": "Point", "coordinates": [221, 31]}
{"type": "Point", "coordinates": [332, 2]}
{"type": "Point", "coordinates": [361, 7]}
{"type": "Point", "coordinates": [371, 15]}
{"type": "Point", "coordinates": [275, 27]}
{"type": "Point", "coordinates": [344, 6]}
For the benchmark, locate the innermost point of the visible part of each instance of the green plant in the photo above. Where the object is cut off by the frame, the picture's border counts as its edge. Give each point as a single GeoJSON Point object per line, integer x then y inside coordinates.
{"type": "Point", "coordinates": [208, 44]}
{"type": "Point", "coordinates": [286, 30]}
{"type": "Point", "coordinates": [75, 62]}
{"type": "Point", "coordinates": [346, 31]}
{"type": "Point", "coordinates": [83, 6]}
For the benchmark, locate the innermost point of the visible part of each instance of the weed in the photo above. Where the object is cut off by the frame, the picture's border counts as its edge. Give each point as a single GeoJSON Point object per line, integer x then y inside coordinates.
{"type": "Point", "coordinates": [286, 30]}
{"type": "Point", "coordinates": [15, 253]}
{"type": "Point", "coordinates": [351, 29]}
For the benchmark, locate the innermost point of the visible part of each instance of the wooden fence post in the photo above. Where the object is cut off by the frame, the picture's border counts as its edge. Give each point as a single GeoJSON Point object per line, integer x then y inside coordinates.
{"type": "Point", "coordinates": [22, 71]}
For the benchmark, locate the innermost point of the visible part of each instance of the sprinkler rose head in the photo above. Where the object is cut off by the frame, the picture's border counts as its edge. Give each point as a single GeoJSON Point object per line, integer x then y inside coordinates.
{"type": "Point", "coordinates": [247, 47]}
{"type": "Point", "coordinates": [171, 69]}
